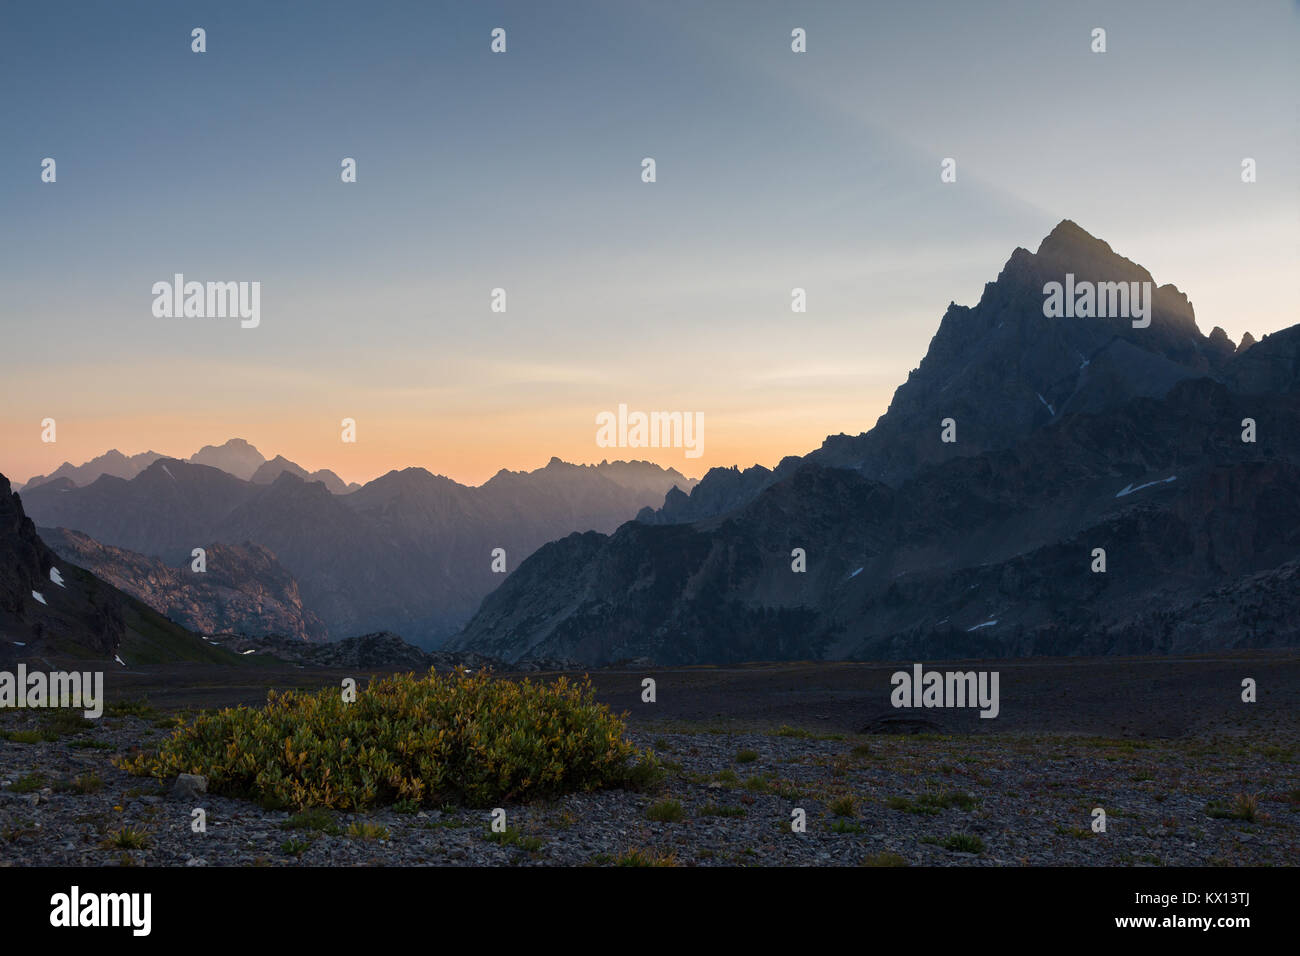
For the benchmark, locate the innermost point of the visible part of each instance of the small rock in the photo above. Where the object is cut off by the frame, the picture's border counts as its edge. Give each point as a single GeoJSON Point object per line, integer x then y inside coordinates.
{"type": "Point", "coordinates": [189, 786]}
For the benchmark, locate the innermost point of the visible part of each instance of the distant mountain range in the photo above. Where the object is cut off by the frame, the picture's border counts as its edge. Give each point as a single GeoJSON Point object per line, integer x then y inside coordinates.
{"type": "Point", "coordinates": [236, 457]}
{"type": "Point", "coordinates": [409, 552]}
{"type": "Point", "coordinates": [1072, 434]}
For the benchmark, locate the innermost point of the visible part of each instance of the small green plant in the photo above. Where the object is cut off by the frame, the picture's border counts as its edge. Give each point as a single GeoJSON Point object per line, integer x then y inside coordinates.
{"type": "Point", "coordinates": [365, 830]}
{"type": "Point", "coordinates": [406, 805]}
{"type": "Point", "coordinates": [714, 810]}
{"type": "Point", "coordinates": [666, 811]}
{"type": "Point", "coordinates": [846, 826]}
{"type": "Point", "coordinates": [30, 736]}
{"type": "Point", "coordinates": [746, 756]}
{"type": "Point", "coordinates": [947, 799]}
{"type": "Point", "coordinates": [139, 707]}
{"type": "Point", "coordinates": [294, 846]}
{"type": "Point", "coordinates": [964, 843]}
{"type": "Point", "coordinates": [786, 730]}
{"type": "Point", "coordinates": [1079, 833]}
{"type": "Point", "coordinates": [29, 783]}
{"type": "Point", "coordinates": [884, 859]}
{"type": "Point", "coordinates": [127, 838]}
{"type": "Point", "coordinates": [83, 784]}
{"type": "Point", "coordinates": [322, 821]}
{"type": "Point", "coordinates": [844, 806]}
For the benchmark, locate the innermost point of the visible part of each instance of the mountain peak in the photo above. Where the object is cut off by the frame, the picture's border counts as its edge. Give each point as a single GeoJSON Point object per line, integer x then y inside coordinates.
{"type": "Point", "coordinates": [1067, 236]}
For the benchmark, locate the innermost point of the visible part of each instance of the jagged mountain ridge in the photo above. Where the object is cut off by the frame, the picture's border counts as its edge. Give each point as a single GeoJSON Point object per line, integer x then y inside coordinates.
{"type": "Point", "coordinates": [917, 550]}
{"type": "Point", "coordinates": [1002, 369]}
{"type": "Point", "coordinates": [235, 457]}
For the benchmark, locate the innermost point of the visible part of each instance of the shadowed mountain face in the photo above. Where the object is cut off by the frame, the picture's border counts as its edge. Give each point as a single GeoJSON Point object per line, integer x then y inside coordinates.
{"type": "Point", "coordinates": [1002, 370]}
{"type": "Point", "coordinates": [410, 552]}
{"type": "Point", "coordinates": [1073, 435]}
{"type": "Point", "coordinates": [243, 590]}
{"type": "Point", "coordinates": [51, 609]}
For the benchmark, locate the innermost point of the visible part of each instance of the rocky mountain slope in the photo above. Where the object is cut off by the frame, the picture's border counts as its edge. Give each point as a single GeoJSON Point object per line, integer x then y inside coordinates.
{"type": "Point", "coordinates": [410, 552]}
{"type": "Point", "coordinates": [1072, 435]}
{"type": "Point", "coordinates": [243, 589]}
{"type": "Point", "coordinates": [1002, 370]}
{"type": "Point", "coordinates": [53, 610]}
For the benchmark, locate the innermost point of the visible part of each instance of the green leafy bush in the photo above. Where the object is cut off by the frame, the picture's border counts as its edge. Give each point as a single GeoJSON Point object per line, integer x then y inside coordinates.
{"type": "Point", "coordinates": [426, 739]}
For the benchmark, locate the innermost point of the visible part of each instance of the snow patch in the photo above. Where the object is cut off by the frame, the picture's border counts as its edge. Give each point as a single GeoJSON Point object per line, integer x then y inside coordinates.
{"type": "Point", "coordinates": [56, 577]}
{"type": "Point", "coordinates": [856, 573]}
{"type": "Point", "coordinates": [40, 597]}
{"type": "Point", "coordinates": [978, 626]}
{"type": "Point", "coordinates": [1129, 489]}
{"type": "Point", "coordinates": [169, 474]}
{"type": "Point", "coordinates": [1049, 407]}
{"type": "Point", "coordinates": [118, 658]}
{"type": "Point", "coordinates": [20, 643]}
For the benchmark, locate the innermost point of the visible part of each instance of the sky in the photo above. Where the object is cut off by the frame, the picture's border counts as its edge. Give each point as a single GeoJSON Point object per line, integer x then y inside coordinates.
{"type": "Point", "coordinates": [523, 171]}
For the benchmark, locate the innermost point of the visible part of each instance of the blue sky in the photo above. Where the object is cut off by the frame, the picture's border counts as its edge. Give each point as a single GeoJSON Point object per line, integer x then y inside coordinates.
{"type": "Point", "coordinates": [522, 171]}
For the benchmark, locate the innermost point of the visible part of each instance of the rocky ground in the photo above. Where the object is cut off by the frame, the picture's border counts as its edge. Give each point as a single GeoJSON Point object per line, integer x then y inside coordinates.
{"type": "Point", "coordinates": [1016, 798]}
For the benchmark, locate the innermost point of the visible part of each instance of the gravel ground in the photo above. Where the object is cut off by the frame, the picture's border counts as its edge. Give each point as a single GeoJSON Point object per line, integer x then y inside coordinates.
{"type": "Point", "coordinates": [933, 800]}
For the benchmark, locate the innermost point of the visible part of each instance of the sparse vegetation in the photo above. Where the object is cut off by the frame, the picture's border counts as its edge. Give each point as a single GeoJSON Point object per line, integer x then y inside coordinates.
{"type": "Point", "coordinates": [646, 858]}
{"type": "Point", "coordinates": [1243, 807]}
{"type": "Point", "coordinates": [322, 821]}
{"type": "Point", "coordinates": [884, 859]}
{"type": "Point", "coordinates": [28, 784]}
{"type": "Point", "coordinates": [139, 707]}
{"type": "Point", "coordinates": [666, 811]}
{"type": "Point", "coordinates": [511, 836]}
